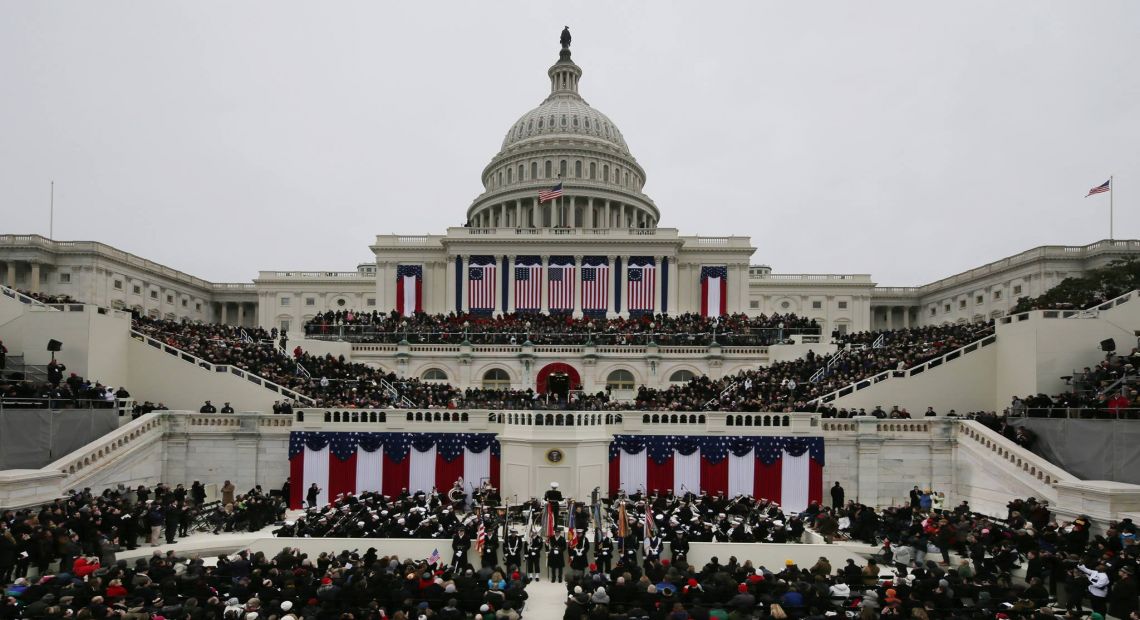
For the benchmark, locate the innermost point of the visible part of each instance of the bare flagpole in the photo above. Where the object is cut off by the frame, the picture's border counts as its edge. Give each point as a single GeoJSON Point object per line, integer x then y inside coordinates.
{"type": "Point", "coordinates": [51, 213]}
{"type": "Point", "coordinates": [1111, 191]}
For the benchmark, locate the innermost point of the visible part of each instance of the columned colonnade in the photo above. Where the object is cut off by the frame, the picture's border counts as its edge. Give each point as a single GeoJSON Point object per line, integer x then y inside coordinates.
{"type": "Point", "coordinates": [29, 270]}
{"type": "Point", "coordinates": [564, 212]}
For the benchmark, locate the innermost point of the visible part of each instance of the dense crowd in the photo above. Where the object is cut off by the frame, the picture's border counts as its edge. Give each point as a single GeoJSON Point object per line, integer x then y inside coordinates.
{"type": "Point", "coordinates": [49, 299]}
{"type": "Point", "coordinates": [1095, 287]}
{"type": "Point", "coordinates": [60, 390]}
{"type": "Point", "coordinates": [1106, 390]}
{"type": "Point", "coordinates": [516, 328]}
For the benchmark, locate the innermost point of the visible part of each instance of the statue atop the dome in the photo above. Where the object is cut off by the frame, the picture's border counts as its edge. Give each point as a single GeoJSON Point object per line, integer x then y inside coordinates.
{"type": "Point", "coordinates": [565, 38]}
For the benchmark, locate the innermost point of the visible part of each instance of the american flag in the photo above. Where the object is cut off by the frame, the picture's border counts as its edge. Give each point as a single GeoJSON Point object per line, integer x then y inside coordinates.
{"type": "Point", "coordinates": [642, 285]}
{"type": "Point", "coordinates": [528, 283]}
{"type": "Point", "coordinates": [595, 288]}
{"type": "Point", "coordinates": [550, 194]}
{"type": "Point", "coordinates": [1100, 189]}
{"type": "Point", "coordinates": [434, 558]}
{"type": "Point", "coordinates": [561, 293]}
{"type": "Point", "coordinates": [481, 537]}
{"type": "Point", "coordinates": [481, 286]}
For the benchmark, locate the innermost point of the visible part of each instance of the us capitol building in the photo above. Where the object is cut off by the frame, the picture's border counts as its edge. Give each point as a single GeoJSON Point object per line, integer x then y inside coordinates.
{"type": "Point", "coordinates": [598, 237]}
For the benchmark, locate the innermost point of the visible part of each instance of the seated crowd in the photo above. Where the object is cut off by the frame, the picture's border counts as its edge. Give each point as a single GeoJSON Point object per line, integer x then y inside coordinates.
{"type": "Point", "coordinates": [1106, 390]}
{"type": "Point", "coordinates": [555, 328]}
{"type": "Point", "coordinates": [58, 391]}
{"type": "Point", "coordinates": [49, 299]}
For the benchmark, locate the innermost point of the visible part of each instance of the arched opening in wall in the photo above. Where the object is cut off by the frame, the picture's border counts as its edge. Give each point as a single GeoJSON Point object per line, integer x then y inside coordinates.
{"type": "Point", "coordinates": [578, 169]}
{"type": "Point", "coordinates": [682, 376]}
{"type": "Point", "coordinates": [434, 374]}
{"type": "Point", "coordinates": [558, 378]}
{"type": "Point", "coordinates": [533, 170]}
{"type": "Point", "coordinates": [496, 379]}
{"type": "Point", "coordinates": [620, 379]}
{"type": "Point", "coordinates": [549, 168]}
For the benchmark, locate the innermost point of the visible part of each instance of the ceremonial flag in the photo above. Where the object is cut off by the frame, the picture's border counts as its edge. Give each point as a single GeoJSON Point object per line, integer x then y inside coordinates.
{"type": "Point", "coordinates": [649, 526]}
{"type": "Point", "coordinates": [551, 193]}
{"type": "Point", "coordinates": [560, 292]}
{"type": "Point", "coordinates": [641, 274]}
{"type": "Point", "coordinates": [409, 289]}
{"type": "Point", "coordinates": [343, 463]}
{"type": "Point", "coordinates": [572, 535]}
{"type": "Point", "coordinates": [481, 284]}
{"type": "Point", "coordinates": [595, 285]}
{"type": "Point", "coordinates": [481, 537]}
{"type": "Point", "coordinates": [787, 470]}
{"type": "Point", "coordinates": [714, 291]}
{"type": "Point", "coordinates": [1100, 189]}
{"type": "Point", "coordinates": [434, 558]}
{"type": "Point", "coordinates": [548, 520]}
{"type": "Point", "coordinates": [528, 283]}
{"type": "Point", "coordinates": [623, 521]}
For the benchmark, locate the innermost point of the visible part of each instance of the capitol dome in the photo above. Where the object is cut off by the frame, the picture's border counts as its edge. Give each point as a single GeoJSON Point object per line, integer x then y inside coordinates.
{"type": "Point", "coordinates": [564, 141]}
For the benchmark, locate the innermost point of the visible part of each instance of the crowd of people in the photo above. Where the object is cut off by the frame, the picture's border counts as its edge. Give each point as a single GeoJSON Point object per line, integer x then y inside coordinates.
{"type": "Point", "coordinates": [48, 299]}
{"type": "Point", "coordinates": [59, 390]}
{"type": "Point", "coordinates": [1106, 390]}
{"type": "Point", "coordinates": [1094, 287]}
{"type": "Point", "coordinates": [555, 328]}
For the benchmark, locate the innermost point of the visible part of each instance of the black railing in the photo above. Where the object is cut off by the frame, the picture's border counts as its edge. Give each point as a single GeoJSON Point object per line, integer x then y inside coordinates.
{"type": "Point", "coordinates": [764, 336]}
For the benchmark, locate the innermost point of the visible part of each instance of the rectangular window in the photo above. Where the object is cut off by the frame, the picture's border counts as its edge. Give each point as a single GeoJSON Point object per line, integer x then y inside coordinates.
{"type": "Point", "coordinates": [979, 299]}
{"type": "Point", "coordinates": [997, 294]}
{"type": "Point", "coordinates": [310, 301]}
{"type": "Point", "coordinates": [198, 307]}
{"type": "Point", "coordinates": [154, 294]}
{"type": "Point", "coordinates": [841, 328]}
{"type": "Point", "coordinates": [170, 299]}
{"type": "Point", "coordinates": [816, 305]}
{"type": "Point", "coordinates": [284, 325]}
{"type": "Point", "coordinates": [961, 303]}
{"type": "Point", "coordinates": [755, 303]}
{"type": "Point", "coordinates": [842, 305]}
{"type": "Point", "coordinates": [933, 310]}
{"type": "Point", "coordinates": [65, 278]}
{"type": "Point", "coordinates": [370, 302]}
{"type": "Point", "coordinates": [185, 303]}
{"type": "Point", "coordinates": [118, 284]}
{"type": "Point", "coordinates": [946, 308]}
{"type": "Point", "coordinates": [136, 289]}
{"type": "Point", "coordinates": [284, 301]}
{"type": "Point", "coordinates": [1017, 290]}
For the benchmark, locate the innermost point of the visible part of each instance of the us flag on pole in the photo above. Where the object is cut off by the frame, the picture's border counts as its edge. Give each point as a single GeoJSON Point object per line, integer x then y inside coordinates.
{"type": "Point", "coordinates": [481, 537]}
{"type": "Point", "coordinates": [551, 193]}
{"type": "Point", "coordinates": [481, 284]}
{"type": "Point", "coordinates": [528, 283]}
{"type": "Point", "coordinates": [595, 285]}
{"type": "Point", "coordinates": [561, 289]}
{"type": "Point", "coordinates": [641, 274]}
{"type": "Point", "coordinates": [1100, 189]}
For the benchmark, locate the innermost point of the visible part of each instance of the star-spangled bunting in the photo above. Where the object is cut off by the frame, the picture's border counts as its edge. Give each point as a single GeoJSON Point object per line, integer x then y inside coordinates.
{"type": "Point", "coordinates": [396, 445]}
{"type": "Point", "coordinates": [715, 449]}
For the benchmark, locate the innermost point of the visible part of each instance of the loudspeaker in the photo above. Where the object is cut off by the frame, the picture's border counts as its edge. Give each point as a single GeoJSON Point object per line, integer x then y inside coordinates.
{"type": "Point", "coordinates": [1108, 344]}
{"type": "Point", "coordinates": [54, 346]}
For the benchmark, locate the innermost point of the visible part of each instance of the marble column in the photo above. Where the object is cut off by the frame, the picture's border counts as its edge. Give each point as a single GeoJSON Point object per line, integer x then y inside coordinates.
{"type": "Point", "coordinates": [225, 312]}
{"type": "Point", "coordinates": [657, 284]}
{"type": "Point", "coordinates": [890, 317]}
{"type": "Point", "coordinates": [608, 222]}
{"type": "Point", "coordinates": [572, 213]}
{"type": "Point", "coordinates": [510, 284]}
{"type": "Point", "coordinates": [674, 287]}
{"type": "Point", "coordinates": [610, 279]}
{"type": "Point", "coordinates": [544, 294]}
{"type": "Point", "coordinates": [241, 314]}
{"type": "Point", "coordinates": [534, 214]}
{"type": "Point", "coordinates": [590, 213]}
{"type": "Point", "coordinates": [624, 286]}
{"type": "Point", "coordinates": [578, 285]}
{"type": "Point", "coordinates": [449, 290]}
{"type": "Point", "coordinates": [463, 290]}
{"type": "Point", "coordinates": [11, 274]}
{"type": "Point", "coordinates": [34, 278]}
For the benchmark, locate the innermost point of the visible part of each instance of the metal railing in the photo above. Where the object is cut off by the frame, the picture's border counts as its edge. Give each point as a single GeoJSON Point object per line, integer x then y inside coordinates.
{"type": "Point", "coordinates": [24, 299]}
{"type": "Point", "coordinates": [761, 336]}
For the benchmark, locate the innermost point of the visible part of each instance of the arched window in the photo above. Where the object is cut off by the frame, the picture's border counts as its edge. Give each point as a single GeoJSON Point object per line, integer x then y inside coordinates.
{"type": "Point", "coordinates": [562, 168]}
{"type": "Point", "coordinates": [620, 380]}
{"type": "Point", "coordinates": [682, 376]}
{"type": "Point", "coordinates": [434, 374]}
{"type": "Point", "coordinates": [521, 173]}
{"type": "Point", "coordinates": [549, 168]}
{"type": "Point", "coordinates": [510, 175]}
{"type": "Point", "coordinates": [578, 169]}
{"type": "Point", "coordinates": [606, 173]}
{"type": "Point", "coordinates": [496, 379]}
{"type": "Point", "coordinates": [533, 170]}
{"type": "Point", "coordinates": [593, 170]}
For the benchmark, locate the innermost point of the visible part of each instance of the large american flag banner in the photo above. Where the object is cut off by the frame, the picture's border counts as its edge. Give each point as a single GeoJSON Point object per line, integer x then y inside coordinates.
{"type": "Point", "coordinates": [343, 463]}
{"type": "Point", "coordinates": [642, 276]}
{"type": "Point", "coordinates": [787, 470]}
{"type": "Point", "coordinates": [481, 284]}
{"type": "Point", "coordinates": [714, 291]}
{"type": "Point", "coordinates": [561, 287]}
{"type": "Point", "coordinates": [595, 285]}
{"type": "Point", "coordinates": [528, 283]}
{"type": "Point", "coordinates": [409, 289]}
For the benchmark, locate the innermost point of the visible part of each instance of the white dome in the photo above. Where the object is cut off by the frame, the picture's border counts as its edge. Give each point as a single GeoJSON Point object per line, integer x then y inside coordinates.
{"type": "Point", "coordinates": [565, 115]}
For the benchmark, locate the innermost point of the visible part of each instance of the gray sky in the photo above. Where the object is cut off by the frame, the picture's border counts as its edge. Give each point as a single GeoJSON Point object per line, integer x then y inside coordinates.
{"type": "Point", "coordinates": [901, 139]}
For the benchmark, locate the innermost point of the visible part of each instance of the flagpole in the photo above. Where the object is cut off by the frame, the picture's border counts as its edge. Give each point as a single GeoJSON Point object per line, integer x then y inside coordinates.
{"type": "Point", "coordinates": [1111, 191]}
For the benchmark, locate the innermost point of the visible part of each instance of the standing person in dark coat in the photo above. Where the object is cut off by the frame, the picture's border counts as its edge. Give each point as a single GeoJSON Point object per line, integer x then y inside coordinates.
{"type": "Point", "coordinates": [604, 553]}
{"type": "Point", "coordinates": [311, 497]}
{"type": "Point", "coordinates": [198, 493]}
{"type": "Point", "coordinates": [513, 551]}
{"type": "Point", "coordinates": [9, 549]}
{"type": "Point", "coordinates": [55, 373]}
{"type": "Point", "coordinates": [172, 516]}
{"type": "Point", "coordinates": [837, 495]}
{"type": "Point", "coordinates": [184, 519]}
{"type": "Point", "coordinates": [460, 545]}
{"type": "Point", "coordinates": [1122, 598]}
{"type": "Point", "coordinates": [915, 498]}
{"type": "Point", "coordinates": [579, 557]}
{"type": "Point", "coordinates": [533, 557]}
{"type": "Point", "coordinates": [556, 556]}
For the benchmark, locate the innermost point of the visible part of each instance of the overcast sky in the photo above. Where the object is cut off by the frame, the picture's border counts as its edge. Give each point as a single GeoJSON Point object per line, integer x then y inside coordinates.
{"type": "Point", "coordinates": [901, 139]}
